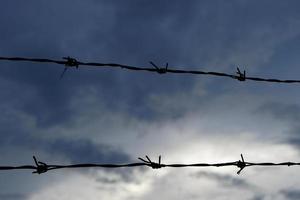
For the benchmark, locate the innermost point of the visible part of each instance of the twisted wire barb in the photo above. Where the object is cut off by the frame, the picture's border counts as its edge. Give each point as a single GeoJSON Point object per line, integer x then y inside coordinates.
{"type": "Point", "coordinates": [69, 62]}
{"type": "Point", "coordinates": [41, 167]}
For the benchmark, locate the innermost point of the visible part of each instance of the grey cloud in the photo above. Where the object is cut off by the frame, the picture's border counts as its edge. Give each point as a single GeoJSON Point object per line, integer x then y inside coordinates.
{"type": "Point", "coordinates": [291, 194]}
{"type": "Point", "coordinates": [20, 133]}
{"type": "Point", "coordinates": [284, 112]}
{"type": "Point", "coordinates": [281, 111]}
{"type": "Point", "coordinates": [15, 196]}
{"type": "Point", "coordinates": [125, 175]}
{"type": "Point", "coordinates": [258, 197]}
{"type": "Point", "coordinates": [224, 180]}
{"type": "Point", "coordinates": [107, 180]}
{"type": "Point", "coordinates": [295, 140]}
{"type": "Point", "coordinates": [77, 151]}
{"type": "Point", "coordinates": [232, 182]}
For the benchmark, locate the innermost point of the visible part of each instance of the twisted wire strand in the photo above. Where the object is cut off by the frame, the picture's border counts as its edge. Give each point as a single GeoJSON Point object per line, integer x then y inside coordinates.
{"type": "Point", "coordinates": [72, 62]}
{"type": "Point", "coordinates": [41, 167]}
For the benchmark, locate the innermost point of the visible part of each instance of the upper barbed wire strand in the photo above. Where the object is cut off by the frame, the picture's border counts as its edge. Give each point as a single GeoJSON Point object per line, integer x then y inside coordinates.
{"type": "Point", "coordinates": [72, 62]}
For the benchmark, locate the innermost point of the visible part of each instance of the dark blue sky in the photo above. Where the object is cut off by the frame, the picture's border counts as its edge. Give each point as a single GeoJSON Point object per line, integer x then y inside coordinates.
{"type": "Point", "coordinates": [109, 115]}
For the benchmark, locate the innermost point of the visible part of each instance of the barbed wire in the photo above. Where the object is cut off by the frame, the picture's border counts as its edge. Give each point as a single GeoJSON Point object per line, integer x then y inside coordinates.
{"type": "Point", "coordinates": [41, 167]}
{"type": "Point", "coordinates": [69, 62]}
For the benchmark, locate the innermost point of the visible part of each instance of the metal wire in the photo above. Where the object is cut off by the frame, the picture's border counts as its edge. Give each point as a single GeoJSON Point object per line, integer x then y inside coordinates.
{"type": "Point", "coordinates": [72, 62]}
{"type": "Point", "coordinates": [41, 167]}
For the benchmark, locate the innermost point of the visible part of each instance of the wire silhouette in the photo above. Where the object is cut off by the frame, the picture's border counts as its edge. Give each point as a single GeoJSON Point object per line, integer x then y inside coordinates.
{"type": "Point", "coordinates": [41, 167]}
{"type": "Point", "coordinates": [69, 62]}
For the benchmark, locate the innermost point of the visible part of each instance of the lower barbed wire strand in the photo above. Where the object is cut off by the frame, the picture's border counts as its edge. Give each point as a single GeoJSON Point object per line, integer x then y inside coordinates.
{"type": "Point", "coordinates": [41, 167]}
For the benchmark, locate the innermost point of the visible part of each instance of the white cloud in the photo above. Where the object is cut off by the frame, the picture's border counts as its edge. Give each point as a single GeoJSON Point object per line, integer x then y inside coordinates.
{"type": "Point", "coordinates": [100, 185]}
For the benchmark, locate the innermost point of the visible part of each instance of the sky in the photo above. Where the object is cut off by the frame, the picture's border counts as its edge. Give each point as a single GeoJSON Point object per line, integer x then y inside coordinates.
{"type": "Point", "coordinates": [115, 116]}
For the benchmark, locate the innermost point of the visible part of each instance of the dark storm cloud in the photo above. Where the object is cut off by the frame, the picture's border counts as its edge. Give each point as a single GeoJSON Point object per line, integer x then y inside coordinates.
{"type": "Point", "coordinates": [13, 196]}
{"type": "Point", "coordinates": [224, 180]}
{"type": "Point", "coordinates": [284, 112]}
{"type": "Point", "coordinates": [38, 30]}
{"type": "Point", "coordinates": [281, 111]}
{"type": "Point", "coordinates": [129, 32]}
{"type": "Point", "coordinates": [258, 197]}
{"type": "Point", "coordinates": [15, 133]}
{"type": "Point", "coordinates": [58, 26]}
{"type": "Point", "coordinates": [77, 151]}
{"type": "Point", "coordinates": [291, 194]}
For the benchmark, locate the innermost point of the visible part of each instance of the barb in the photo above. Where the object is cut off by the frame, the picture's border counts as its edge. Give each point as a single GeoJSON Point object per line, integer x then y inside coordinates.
{"type": "Point", "coordinates": [63, 73]}
{"type": "Point", "coordinates": [159, 69]}
{"type": "Point", "coordinates": [241, 164]}
{"type": "Point", "coordinates": [241, 76]}
{"type": "Point", "coordinates": [41, 167]}
{"type": "Point", "coordinates": [72, 62]}
{"type": "Point", "coordinates": [151, 164]}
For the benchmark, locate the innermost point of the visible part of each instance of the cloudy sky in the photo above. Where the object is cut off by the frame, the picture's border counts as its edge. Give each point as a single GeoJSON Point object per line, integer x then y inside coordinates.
{"type": "Point", "coordinates": [115, 116]}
